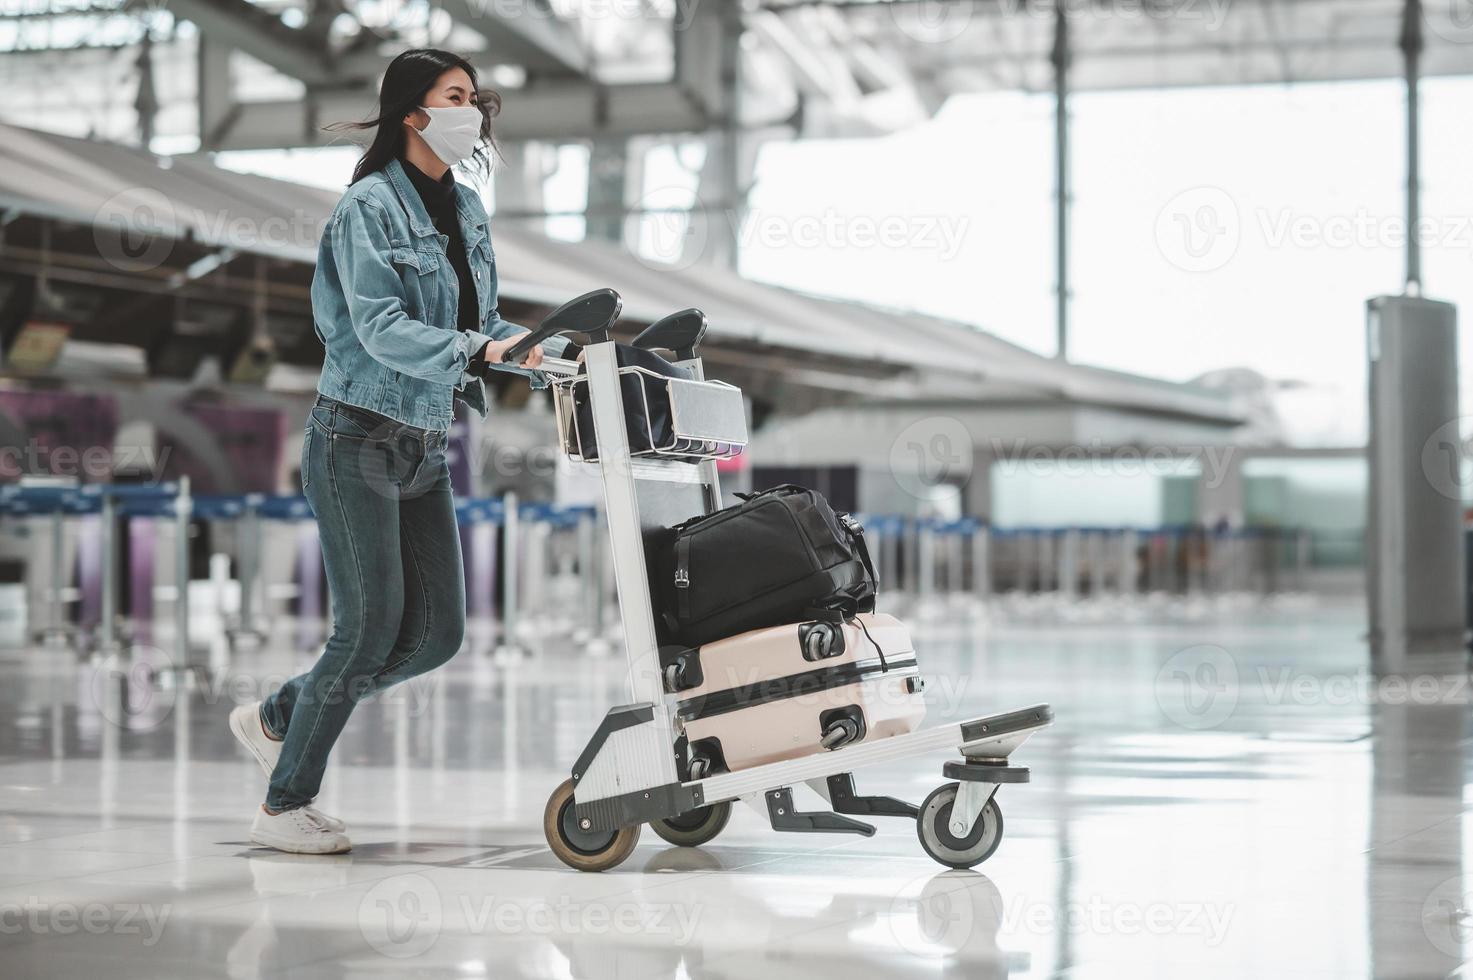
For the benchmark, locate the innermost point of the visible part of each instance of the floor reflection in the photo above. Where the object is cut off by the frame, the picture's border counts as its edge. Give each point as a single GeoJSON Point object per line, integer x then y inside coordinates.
{"type": "Point", "coordinates": [1225, 794]}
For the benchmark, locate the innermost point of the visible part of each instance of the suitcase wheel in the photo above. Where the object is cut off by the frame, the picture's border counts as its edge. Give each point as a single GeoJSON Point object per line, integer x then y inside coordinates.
{"type": "Point", "coordinates": [937, 840]}
{"type": "Point", "coordinates": [841, 726]}
{"type": "Point", "coordinates": [581, 847]}
{"type": "Point", "coordinates": [696, 827]}
{"type": "Point", "coordinates": [841, 732]}
{"type": "Point", "coordinates": [682, 674]}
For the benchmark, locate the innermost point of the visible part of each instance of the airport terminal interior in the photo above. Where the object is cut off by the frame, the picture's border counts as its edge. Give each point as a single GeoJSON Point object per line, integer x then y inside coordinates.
{"type": "Point", "coordinates": [1003, 509]}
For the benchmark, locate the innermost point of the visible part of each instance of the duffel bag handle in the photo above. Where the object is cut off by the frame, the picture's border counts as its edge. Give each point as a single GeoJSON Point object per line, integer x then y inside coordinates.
{"type": "Point", "coordinates": [780, 488]}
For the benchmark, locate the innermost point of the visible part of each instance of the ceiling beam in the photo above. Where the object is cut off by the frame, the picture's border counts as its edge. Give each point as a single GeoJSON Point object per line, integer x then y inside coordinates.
{"type": "Point", "coordinates": [245, 27]}
{"type": "Point", "coordinates": [533, 36]}
{"type": "Point", "coordinates": [550, 112]}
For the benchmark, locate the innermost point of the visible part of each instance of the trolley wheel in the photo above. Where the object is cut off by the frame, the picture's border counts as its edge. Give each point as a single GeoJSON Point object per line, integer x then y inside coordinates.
{"type": "Point", "coordinates": [579, 848]}
{"type": "Point", "coordinates": [934, 830]}
{"type": "Point", "coordinates": [696, 827]}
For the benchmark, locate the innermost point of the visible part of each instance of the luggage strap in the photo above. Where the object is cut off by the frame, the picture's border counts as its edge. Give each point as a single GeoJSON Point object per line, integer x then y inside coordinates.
{"type": "Point", "coordinates": [855, 531]}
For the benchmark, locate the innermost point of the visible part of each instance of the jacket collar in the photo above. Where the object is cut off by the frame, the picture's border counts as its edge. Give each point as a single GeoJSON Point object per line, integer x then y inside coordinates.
{"type": "Point", "coordinates": [472, 214]}
{"type": "Point", "coordinates": [419, 218]}
{"type": "Point", "coordinates": [467, 203]}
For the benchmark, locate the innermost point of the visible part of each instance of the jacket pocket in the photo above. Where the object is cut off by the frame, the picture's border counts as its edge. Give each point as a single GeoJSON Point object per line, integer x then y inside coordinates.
{"type": "Point", "coordinates": [421, 261]}
{"type": "Point", "coordinates": [419, 271]}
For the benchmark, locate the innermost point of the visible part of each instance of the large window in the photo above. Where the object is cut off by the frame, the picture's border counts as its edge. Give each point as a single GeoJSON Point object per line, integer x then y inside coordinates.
{"type": "Point", "coordinates": [950, 218]}
{"type": "Point", "coordinates": [1212, 228]}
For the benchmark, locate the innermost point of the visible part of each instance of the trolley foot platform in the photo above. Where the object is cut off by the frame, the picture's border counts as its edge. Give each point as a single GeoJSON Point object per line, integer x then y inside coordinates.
{"type": "Point", "coordinates": [845, 800]}
{"type": "Point", "coordinates": [785, 817]}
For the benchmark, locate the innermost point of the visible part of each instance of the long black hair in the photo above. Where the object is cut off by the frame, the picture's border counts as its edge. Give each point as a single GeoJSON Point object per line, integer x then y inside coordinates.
{"type": "Point", "coordinates": [407, 80]}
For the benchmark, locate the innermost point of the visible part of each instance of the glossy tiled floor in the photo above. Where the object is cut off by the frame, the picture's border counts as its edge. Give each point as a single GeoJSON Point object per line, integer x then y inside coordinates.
{"type": "Point", "coordinates": [1224, 795]}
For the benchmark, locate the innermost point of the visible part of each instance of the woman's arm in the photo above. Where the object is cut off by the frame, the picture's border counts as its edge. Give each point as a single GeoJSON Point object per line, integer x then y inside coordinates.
{"type": "Point", "coordinates": [503, 330]}
{"type": "Point", "coordinates": [377, 304]}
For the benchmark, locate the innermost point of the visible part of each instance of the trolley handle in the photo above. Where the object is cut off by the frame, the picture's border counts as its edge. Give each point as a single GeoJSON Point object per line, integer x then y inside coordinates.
{"type": "Point", "coordinates": [585, 320]}
{"type": "Point", "coordinates": [679, 332]}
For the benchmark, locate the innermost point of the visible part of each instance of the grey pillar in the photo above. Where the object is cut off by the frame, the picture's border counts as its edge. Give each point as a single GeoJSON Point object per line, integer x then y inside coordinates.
{"type": "Point", "coordinates": [183, 510]}
{"type": "Point", "coordinates": [608, 189]}
{"type": "Point", "coordinates": [1411, 50]}
{"type": "Point", "coordinates": [978, 491]}
{"type": "Point", "coordinates": [520, 180]}
{"type": "Point", "coordinates": [146, 100]}
{"type": "Point", "coordinates": [511, 569]}
{"type": "Point", "coordinates": [1414, 560]}
{"type": "Point", "coordinates": [1061, 57]}
{"type": "Point", "coordinates": [982, 563]}
{"type": "Point", "coordinates": [108, 638]}
{"type": "Point", "coordinates": [1220, 494]}
{"type": "Point", "coordinates": [213, 67]}
{"type": "Point", "coordinates": [708, 65]}
{"type": "Point", "coordinates": [1068, 563]}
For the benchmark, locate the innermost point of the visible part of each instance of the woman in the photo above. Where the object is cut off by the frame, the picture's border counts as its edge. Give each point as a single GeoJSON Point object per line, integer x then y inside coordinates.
{"type": "Point", "coordinates": [404, 299]}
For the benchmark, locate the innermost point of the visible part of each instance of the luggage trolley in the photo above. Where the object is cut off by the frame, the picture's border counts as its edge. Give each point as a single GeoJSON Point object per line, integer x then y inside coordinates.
{"type": "Point", "coordinates": [636, 769]}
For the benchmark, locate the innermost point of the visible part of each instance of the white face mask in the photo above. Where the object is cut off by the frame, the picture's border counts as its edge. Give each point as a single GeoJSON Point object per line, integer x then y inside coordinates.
{"type": "Point", "coordinates": [453, 132]}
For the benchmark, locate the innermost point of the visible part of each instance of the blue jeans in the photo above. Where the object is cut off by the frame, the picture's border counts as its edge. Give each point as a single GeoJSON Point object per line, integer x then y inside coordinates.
{"type": "Point", "coordinates": [386, 521]}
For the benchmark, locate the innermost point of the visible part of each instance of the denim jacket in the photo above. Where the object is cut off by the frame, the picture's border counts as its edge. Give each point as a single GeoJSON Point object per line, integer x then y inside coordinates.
{"type": "Point", "coordinates": [384, 301]}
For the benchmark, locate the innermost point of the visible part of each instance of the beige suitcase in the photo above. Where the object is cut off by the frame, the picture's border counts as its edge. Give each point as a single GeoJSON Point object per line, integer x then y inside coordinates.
{"type": "Point", "coordinates": [790, 691]}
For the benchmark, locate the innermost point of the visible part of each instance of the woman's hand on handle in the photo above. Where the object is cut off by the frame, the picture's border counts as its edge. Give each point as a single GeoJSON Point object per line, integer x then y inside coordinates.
{"type": "Point", "coordinates": [496, 351]}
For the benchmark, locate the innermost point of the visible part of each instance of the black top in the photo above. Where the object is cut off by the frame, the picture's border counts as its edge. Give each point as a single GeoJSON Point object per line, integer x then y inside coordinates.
{"type": "Point", "coordinates": [438, 197]}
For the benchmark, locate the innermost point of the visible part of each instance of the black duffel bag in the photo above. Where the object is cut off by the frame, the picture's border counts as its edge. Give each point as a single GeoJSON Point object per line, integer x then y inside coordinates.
{"type": "Point", "coordinates": [780, 556]}
{"type": "Point", "coordinates": [646, 402]}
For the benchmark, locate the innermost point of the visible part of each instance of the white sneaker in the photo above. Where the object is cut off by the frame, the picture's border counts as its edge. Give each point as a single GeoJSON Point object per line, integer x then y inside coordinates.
{"type": "Point", "coordinates": [330, 822]}
{"type": "Point", "coordinates": [299, 831]}
{"type": "Point", "coordinates": [245, 725]}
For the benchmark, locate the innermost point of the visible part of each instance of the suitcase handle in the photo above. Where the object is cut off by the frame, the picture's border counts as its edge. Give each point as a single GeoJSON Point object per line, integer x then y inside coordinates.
{"type": "Point", "coordinates": [586, 319]}
{"type": "Point", "coordinates": [679, 332]}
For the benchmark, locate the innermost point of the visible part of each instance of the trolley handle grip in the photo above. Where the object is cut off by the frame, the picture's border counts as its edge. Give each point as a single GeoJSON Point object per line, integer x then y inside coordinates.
{"type": "Point", "coordinates": [584, 319]}
{"type": "Point", "coordinates": [679, 332]}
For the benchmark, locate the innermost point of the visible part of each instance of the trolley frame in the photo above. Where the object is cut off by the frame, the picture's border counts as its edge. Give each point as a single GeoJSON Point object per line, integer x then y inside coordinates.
{"type": "Point", "coordinates": [629, 773]}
